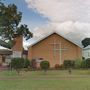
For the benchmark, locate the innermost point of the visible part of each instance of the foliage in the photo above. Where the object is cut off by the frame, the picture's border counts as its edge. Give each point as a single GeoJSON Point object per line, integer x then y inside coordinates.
{"type": "Point", "coordinates": [26, 63]}
{"type": "Point", "coordinates": [88, 63]}
{"type": "Point", "coordinates": [83, 64]}
{"type": "Point", "coordinates": [69, 63]}
{"type": "Point", "coordinates": [45, 65]}
{"type": "Point", "coordinates": [58, 66]}
{"type": "Point", "coordinates": [4, 44]}
{"type": "Point", "coordinates": [10, 27]}
{"type": "Point", "coordinates": [86, 42]}
{"type": "Point", "coordinates": [83, 58]}
{"type": "Point", "coordinates": [78, 63]}
{"type": "Point", "coordinates": [17, 64]}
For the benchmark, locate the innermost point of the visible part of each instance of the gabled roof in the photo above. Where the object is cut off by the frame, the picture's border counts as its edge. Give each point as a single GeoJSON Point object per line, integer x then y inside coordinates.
{"type": "Point", "coordinates": [48, 36]}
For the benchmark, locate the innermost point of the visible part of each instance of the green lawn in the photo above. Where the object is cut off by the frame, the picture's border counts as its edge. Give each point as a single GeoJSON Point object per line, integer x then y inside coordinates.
{"type": "Point", "coordinates": [38, 80]}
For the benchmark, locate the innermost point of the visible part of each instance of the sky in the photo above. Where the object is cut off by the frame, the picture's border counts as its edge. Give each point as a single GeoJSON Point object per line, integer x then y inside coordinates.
{"type": "Point", "coordinates": [70, 18]}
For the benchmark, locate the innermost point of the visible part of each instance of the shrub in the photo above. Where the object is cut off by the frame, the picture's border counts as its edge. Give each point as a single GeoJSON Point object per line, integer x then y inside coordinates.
{"type": "Point", "coordinates": [45, 65]}
{"type": "Point", "coordinates": [69, 63]}
{"type": "Point", "coordinates": [26, 63]}
{"type": "Point", "coordinates": [83, 64]}
{"type": "Point", "coordinates": [78, 63]}
{"type": "Point", "coordinates": [88, 63]}
{"type": "Point", "coordinates": [58, 66]}
{"type": "Point", "coordinates": [17, 64]}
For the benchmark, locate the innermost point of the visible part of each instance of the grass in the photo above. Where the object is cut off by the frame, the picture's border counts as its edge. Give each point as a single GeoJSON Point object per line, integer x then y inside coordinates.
{"type": "Point", "coordinates": [52, 80]}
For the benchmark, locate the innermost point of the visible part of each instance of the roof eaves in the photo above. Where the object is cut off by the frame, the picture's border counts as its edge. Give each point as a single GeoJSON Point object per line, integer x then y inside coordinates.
{"type": "Point", "coordinates": [49, 35]}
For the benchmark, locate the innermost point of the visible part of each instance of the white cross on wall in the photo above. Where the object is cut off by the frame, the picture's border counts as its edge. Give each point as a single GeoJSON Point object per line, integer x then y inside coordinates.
{"type": "Point", "coordinates": [60, 49]}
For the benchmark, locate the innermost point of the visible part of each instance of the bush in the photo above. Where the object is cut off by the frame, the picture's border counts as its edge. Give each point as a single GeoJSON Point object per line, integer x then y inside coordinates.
{"type": "Point", "coordinates": [83, 64]}
{"type": "Point", "coordinates": [57, 66]}
{"type": "Point", "coordinates": [78, 63]}
{"type": "Point", "coordinates": [69, 63]}
{"type": "Point", "coordinates": [26, 63]}
{"type": "Point", "coordinates": [88, 63]}
{"type": "Point", "coordinates": [17, 64]}
{"type": "Point", "coordinates": [45, 65]}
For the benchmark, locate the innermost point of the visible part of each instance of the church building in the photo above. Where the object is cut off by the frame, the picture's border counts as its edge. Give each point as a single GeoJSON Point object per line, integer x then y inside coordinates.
{"type": "Point", "coordinates": [55, 49]}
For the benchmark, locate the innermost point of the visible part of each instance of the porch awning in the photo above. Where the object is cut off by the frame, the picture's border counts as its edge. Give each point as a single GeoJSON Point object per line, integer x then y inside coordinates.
{"type": "Point", "coordinates": [5, 52]}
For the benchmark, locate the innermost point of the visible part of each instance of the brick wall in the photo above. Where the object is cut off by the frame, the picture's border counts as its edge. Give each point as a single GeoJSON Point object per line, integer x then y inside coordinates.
{"type": "Point", "coordinates": [44, 50]}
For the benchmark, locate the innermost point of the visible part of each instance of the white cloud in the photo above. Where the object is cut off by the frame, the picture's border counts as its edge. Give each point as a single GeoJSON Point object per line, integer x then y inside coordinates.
{"type": "Point", "coordinates": [71, 18]}
{"type": "Point", "coordinates": [62, 10]}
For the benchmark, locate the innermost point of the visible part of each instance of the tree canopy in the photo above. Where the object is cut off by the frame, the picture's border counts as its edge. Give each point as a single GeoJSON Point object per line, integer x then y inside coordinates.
{"type": "Point", "coordinates": [86, 42]}
{"type": "Point", "coordinates": [10, 26]}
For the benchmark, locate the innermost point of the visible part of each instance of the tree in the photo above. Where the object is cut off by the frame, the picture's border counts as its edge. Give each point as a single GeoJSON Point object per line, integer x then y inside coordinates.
{"type": "Point", "coordinates": [85, 42]}
{"type": "Point", "coordinates": [10, 26]}
{"type": "Point", "coordinates": [45, 65]}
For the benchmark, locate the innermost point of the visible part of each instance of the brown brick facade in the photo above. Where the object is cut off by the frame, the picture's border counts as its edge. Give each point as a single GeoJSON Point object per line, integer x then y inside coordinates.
{"type": "Point", "coordinates": [45, 49]}
{"type": "Point", "coordinates": [18, 44]}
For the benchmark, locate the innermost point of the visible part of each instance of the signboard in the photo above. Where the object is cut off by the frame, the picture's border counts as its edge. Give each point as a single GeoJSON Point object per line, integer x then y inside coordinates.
{"type": "Point", "coordinates": [17, 54]}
